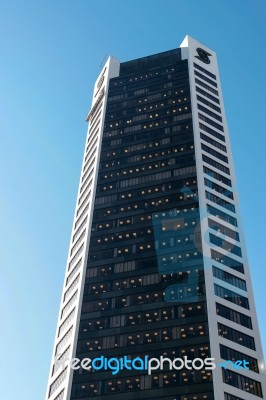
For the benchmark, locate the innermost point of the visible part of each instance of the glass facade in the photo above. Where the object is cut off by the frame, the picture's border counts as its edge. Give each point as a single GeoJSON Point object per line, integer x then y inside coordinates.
{"type": "Point", "coordinates": [145, 214]}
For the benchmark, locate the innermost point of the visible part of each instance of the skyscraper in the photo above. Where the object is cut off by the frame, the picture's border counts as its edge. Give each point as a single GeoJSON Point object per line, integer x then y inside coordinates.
{"type": "Point", "coordinates": [157, 265]}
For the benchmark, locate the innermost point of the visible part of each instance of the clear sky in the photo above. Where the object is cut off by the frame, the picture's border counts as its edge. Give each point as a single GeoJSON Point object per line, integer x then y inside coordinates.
{"type": "Point", "coordinates": [50, 54]}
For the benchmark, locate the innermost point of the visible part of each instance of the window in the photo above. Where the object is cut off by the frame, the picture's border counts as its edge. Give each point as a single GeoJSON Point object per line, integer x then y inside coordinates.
{"type": "Point", "coordinates": [203, 77]}
{"type": "Point", "coordinates": [229, 278]}
{"type": "Point", "coordinates": [233, 315]}
{"type": "Point", "coordinates": [222, 215]}
{"type": "Point", "coordinates": [210, 113]}
{"type": "Point", "coordinates": [228, 396]}
{"type": "Point", "coordinates": [213, 142]}
{"type": "Point", "coordinates": [66, 322]}
{"type": "Point", "coordinates": [209, 96]}
{"type": "Point", "coordinates": [218, 188]}
{"type": "Point", "coordinates": [223, 229]}
{"type": "Point", "coordinates": [75, 257]}
{"type": "Point", "coordinates": [230, 354]}
{"type": "Point", "coordinates": [73, 272]}
{"type": "Point", "coordinates": [242, 382]}
{"type": "Point", "coordinates": [77, 232]}
{"type": "Point", "coordinates": [214, 153]}
{"type": "Point", "coordinates": [228, 261]}
{"type": "Point", "coordinates": [217, 200]}
{"type": "Point", "coordinates": [69, 304]}
{"type": "Point", "coordinates": [231, 296]}
{"type": "Point", "coordinates": [209, 130]}
{"type": "Point", "coordinates": [205, 71]}
{"type": "Point", "coordinates": [210, 122]}
{"type": "Point", "coordinates": [236, 336]}
{"type": "Point", "coordinates": [208, 103]}
{"type": "Point", "coordinates": [215, 164]}
{"type": "Point", "coordinates": [60, 396]}
{"type": "Point", "coordinates": [63, 341]}
{"type": "Point", "coordinates": [60, 359]}
{"type": "Point", "coordinates": [217, 241]}
{"type": "Point", "coordinates": [57, 382]}
{"type": "Point", "coordinates": [217, 176]}
{"type": "Point", "coordinates": [71, 287]}
{"type": "Point", "coordinates": [205, 86]}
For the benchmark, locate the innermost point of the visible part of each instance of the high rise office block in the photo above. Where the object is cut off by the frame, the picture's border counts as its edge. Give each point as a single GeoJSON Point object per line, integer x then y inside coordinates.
{"type": "Point", "coordinates": [157, 264]}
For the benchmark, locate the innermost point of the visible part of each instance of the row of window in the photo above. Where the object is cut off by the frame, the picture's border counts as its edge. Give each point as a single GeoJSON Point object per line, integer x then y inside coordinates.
{"type": "Point", "coordinates": [236, 336]}
{"type": "Point", "coordinates": [204, 71]}
{"type": "Point", "coordinates": [147, 337]}
{"type": "Point", "coordinates": [213, 133]}
{"type": "Point", "coordinates": [220, 189]}
{"type": "Point", "coordinates": [73, 272]}
{"type": "Point", "coordinates": [115, 122]}
{"type": "Point", "coordinates": [81, 226]}
{"type": "Point", "coordinates": [142, 382]}
{"type": "Point", "coordinates": [233, 355]}
{"type": "Point", "coordinates": [228, 261]}
{"type": "Point", "coordinates": [167, 262]}
{"type": "Point", "coordinates": [83, 186]}
{"type": "Point", "coordinates": [210, 122]}
{"type": "Point", "coordinates": [242, 382]}
{"type": "Point", "coordinates": [217, 200]}
{"type": "Point", "coordinates": [112, 211]}
{"type": "Point", "coordinates": [57, 382]}
{"type": "Point", "coordinates": [228, 396]}
{"type": "Point", "coordinates": [80, 219]}
{"type": "Point", "coordinates": [207, 95]}
{"type": "Point", "coordinates": [150, 202]}
{"type": "Point", "coordinates": [182, 292]}
{"type": "Point", "coordinates": [148, 166]}
{"type": "Point", "coordinates": [217, 176]}
{"type": "Point", "coordinates": [212, 142]}
{"type": "Point", "coordinates": [224, 244]}
{"type": "Point", "coordinates": [85, 191]}
{"type": "Point", "coordinates": [60, 396]}
{"type": "Point", "coordinates": [205, 86]}
{"type": "Point", "coordinates": [159, 155]}
{"type": "Point", "coordinates": [173, 313]}
{"type": "Point", "coordinates": [223, 229]}
{"type": "Point", "coordinates": [222, 215]}
{"type": "Point", "coordinates": [71, 287]}
{"type": "Point", "coordinates": [214, 153]}
{"type": "Point", "coordinates": [177, 95]}
{"type": "Point", "coordinates": [122, 153]}
{"type": "Point", "coordinates": [170, 71]}
{"type": "Point", "coordinates": [77, 243]}
{"type": "Point", "coordinates": [231, 296]}
{"type": "Point", "coordinates": [66, 322]}
{"type": "Point", "coordinates": [140, 281]}
{"type": "Point", "coordinates": [208, 103]}
{"type": "Point", "coordinates": [229, 278]}
{"type": "Point", "coordinates": [76, 256]}
{"type": "Point", "coordinates": [186, 216]}
{"type": "Point", "coordinates": [63, 357]}
{"type": "Point", "coordinates": [69, 304]}
{"type": "Point", "coordinates": [210, 113]}
{"type": "Point", "coordinates": [61, 344]}
{"type": "Point", "coordinates": [201, 350]}
{"type": "Point", "coordinates": [153, 88]}
{"type": "Point", "coordinates": [203, 77]}
{"type": "Point", "coordinates": [233, 316]}
{"type": "Point", "coordinates": [88, 169]}
{"type": "Point", "coordinates": [215, 164]}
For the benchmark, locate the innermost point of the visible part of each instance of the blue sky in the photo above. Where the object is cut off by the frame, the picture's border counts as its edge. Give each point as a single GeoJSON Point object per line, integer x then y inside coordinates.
{"type": "Point", "coordinates": [50, 57]}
